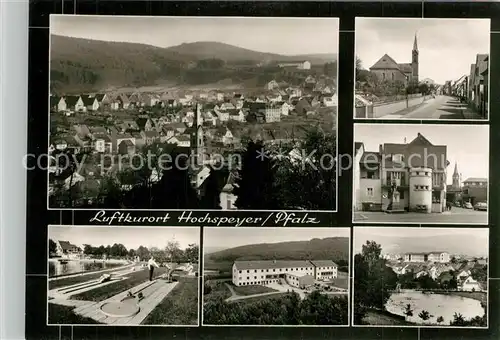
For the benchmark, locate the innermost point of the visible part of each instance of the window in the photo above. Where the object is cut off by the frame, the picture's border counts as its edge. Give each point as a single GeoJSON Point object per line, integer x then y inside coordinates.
{"type": "Point", "coordinates": [426, 187]}
{"type": "Point", "coordinates": [255, 271]}
{"type": "Point", "coordinates": [401, 196]}
{"type": "Point", "coordinates": [371, 175]}
{"type": "Point", "coordinates": [392, 76]}
{"type": "Point", "coordinates": [417, 173]}
{"type": "Point", "coordinates": [369, 191]}
{"type": "Point", "coordinates": [426, 173]}
{"type": "Point", "coordinates": [240, 271]}
{"type": "Point", "coordinates": [248, 278]}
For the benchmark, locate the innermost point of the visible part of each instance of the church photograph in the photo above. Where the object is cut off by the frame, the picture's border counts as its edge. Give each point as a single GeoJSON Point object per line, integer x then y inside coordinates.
{"type": "Point", "coordinates": [411, 68]}
{"type": "Point", "coordinates": [420, 173]}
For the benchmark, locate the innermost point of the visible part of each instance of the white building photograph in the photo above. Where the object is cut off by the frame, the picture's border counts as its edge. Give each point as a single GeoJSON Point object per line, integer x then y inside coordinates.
{"type": "Point", "coordinates": [432, 277]}
{"type": "Point", "coordinates": [249, 267]}
{"type": "Point", "coordinates": [421, 173]}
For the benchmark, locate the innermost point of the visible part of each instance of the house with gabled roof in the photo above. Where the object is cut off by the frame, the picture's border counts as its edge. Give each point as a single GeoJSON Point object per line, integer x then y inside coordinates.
{"type": "Point", "coordinates": [65, 248]}
{"type": "Point", "coordinates": [75, 103]}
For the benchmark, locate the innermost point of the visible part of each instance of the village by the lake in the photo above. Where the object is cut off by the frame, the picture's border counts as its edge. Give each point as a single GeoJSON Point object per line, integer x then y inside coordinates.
{"type": "Point", "coordinates": [432, 277]}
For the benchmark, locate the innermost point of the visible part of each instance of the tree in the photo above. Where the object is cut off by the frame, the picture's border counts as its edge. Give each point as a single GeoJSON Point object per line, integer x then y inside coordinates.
{"type": "Point", "coordinates": [142, 252]}
{"type": "Point", "coordinates": [131, 253]}
{"type": "Point", "coordinates": [173, 252]}
{"type": "Point", "coordinates": [192, 253]}
{"type": "Point", "coordinates": [424, 315]}
{"type": "Point", "coordinates": [211, 197]}
{"type": "Point", "coordinates": [408, 311]}
{"type": "Point", "coordinates": [52, 247]}
{"type": "Point", "coordinates": [174, 190]}
{"type": "Point", "coordinates": [439, 319]}
{"type": "Point", "coordinates": [255, 186]}
{"type": "Point", "coordinates": [458, 320]}
{"type": "Point", "coordinates": [88, 249]}
{"type": "Point", "coordinates": [309, 183]}
{"type": "Point", "coordinates": [479, 273]}
{"type": "Point", "coordinates": [373, 280]}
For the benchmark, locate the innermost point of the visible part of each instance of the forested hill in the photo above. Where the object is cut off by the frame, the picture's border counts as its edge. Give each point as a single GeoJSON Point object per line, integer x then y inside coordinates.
{"type": "Point", "coordinates": [332, 248]}
{"type": "Point", "coordinates": [82, 64]}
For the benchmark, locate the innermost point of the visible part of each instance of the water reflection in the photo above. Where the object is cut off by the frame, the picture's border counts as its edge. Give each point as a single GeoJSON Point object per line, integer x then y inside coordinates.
{"type": "Point", "coordinates": [436, 304]}
{"type": "Point", "coordinates": [74, 266]}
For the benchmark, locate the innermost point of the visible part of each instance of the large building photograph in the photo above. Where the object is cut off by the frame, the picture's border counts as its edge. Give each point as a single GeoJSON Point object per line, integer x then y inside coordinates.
{"type": "Point", "coordinates": [411, 68]}
{"type": "Point", "coordinates": [205, 116]}
{"type": "Point", "coordinates": [256, 276]}
{"type": "Point", "coordinates": [421, 173]}
{"type": "Point", "coordinates": [411, 277]}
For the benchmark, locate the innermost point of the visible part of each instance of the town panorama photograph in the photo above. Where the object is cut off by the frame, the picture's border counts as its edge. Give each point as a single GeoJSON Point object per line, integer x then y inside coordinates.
{"type": "Point", "coordinates": [226, 113]}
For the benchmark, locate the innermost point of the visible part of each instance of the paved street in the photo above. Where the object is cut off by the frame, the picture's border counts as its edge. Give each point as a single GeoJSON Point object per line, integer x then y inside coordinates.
{"type": "Point", "coordinates": [456, 215]}
{"type": "Point", "coordinates": [441, 107]}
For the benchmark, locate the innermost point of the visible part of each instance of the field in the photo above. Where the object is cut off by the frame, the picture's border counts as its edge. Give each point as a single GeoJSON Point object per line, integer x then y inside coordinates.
{"type": "Point", "coordinates": [224, 266]}
{"type": "Point", "coordinates": [180, 307]}
{"type": "Point", "coordinates": [342, 281]}
{"type": "Point", "coordinates": [379, 318]}
{"type": "Point", "coordinates": [251, 290]}
{"type": "Point", "coordinates": [104, 292]}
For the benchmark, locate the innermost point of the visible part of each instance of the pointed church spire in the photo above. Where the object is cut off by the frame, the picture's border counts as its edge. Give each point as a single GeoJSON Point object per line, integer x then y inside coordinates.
{"type": "Point", "coordinates": [455, 172]}
{"type": "Point", "coordinates": [415, 47]}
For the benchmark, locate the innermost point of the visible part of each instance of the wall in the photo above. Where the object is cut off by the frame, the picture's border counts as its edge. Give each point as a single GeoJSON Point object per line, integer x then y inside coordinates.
{"type": "Point", "coordinates": [390, 75]}
{"type": "Point", "coordinates": [386, 109]}
{"type": "Point", "coordinates": [364, 184]}
{"type": "Point", "coordinates": [420, 196]}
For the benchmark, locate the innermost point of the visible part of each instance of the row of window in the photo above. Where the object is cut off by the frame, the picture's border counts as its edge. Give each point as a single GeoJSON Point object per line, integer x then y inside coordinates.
{"type": "Point", "coordinates": [309, 269]}
{"type": "Point", "coordinates": [422, 187]}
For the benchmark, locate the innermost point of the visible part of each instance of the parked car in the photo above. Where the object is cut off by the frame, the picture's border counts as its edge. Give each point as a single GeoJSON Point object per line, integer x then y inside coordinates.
{"type": "Point", "coordinates": [481, 206]}
{"type": "Point", "coordinates": [467, 205]}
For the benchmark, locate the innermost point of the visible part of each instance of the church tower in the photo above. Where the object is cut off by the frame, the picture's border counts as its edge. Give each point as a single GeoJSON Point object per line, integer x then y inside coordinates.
{"type": "Point", "coordinates": [456, 178]}
{"type": "Point", "coordinates": [197, 139]}
{"type": "Point", "coordinates": [414, 61]}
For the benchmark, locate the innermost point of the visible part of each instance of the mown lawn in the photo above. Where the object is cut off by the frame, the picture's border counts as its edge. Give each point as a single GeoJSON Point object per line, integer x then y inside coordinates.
{"type": "Point", "coordinates": [180, 307]}
{"type": "Point", "coordinates": [341, 281]}
{"type": "Point", "coordinates": [104, 292]}
{"type": "Point", "coordinates": [261, 298]}
{"type": "Point", "coordinates": [379, 318]}
{"type": "Point", "coordinates": [251, 290]}
{"type": "Point", "coordinates": [64, 315]}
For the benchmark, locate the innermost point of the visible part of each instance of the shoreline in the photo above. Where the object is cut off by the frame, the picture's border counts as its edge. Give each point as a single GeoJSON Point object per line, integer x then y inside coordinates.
{"type": "Point", "coordinates": [83, 273]}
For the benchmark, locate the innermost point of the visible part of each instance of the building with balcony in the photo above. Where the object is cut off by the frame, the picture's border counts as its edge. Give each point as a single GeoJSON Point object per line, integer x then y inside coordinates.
{"type": "Point", "coordinates": [295, 273]}
{"type": "Point", "coordinates": [415, 172]}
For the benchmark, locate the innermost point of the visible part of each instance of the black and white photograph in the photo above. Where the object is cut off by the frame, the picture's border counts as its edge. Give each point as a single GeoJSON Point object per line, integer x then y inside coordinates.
{"type": "Point", "coordinates": [431, 277]}
{"type": "Point", "coordinates": [126, 276]}
{"type": "Point", "coordinates": [412, 68]}
{"type": "Point", "coordinates": [199, 113]}
{"type": "Point", "coordinates": [421, 173]}
{"type": "Point", "coordinates": [262, 276]}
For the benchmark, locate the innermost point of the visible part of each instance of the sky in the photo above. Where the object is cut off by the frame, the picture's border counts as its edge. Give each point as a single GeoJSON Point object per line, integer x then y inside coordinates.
{"type": "Point", "coordinates": [235, 237]}
{"type": "Point", "coordinates": [386, 235]}
{"type": "Point", "coordinates": [286, 36]}
{"type": "Point", "coordinates": [447, 47]}
{"type": "Point", "coordinates": [468, 145]}
{"type": "Point", "coordinates": [130, 237]}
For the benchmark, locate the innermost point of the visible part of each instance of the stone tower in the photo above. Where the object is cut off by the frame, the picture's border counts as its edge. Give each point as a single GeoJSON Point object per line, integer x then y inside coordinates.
{"type": "Point", "coordinates": [414, 61]}
{"type": "Point", "coordinates": [197, 139]}
{"type": "Point", "coordinates": [456, 178]}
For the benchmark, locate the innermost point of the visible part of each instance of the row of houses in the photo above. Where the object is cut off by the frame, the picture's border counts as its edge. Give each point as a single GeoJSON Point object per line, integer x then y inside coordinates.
{"type": "Point", "coordinates": [461, 271]}
{"type": "Point", "coordinates": [472, 88]}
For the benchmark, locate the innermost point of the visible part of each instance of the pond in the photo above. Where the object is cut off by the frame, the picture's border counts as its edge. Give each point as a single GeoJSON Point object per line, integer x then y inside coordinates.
{"type": "Point", "coordinates": [436, 304]}
{"type": "Point", "coordinates": [75, 266]}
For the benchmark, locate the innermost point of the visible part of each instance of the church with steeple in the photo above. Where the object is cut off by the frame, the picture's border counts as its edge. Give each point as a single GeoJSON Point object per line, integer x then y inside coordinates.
{"type": "Point", "coordinates": [387, 69]}
{"type": "Point", "coordinates": [454, 191]}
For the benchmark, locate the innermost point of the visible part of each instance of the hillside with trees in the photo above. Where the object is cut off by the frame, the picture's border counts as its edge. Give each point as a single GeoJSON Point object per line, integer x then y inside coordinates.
{"type": "Point", "coordinates": [332, 248]}
{"type": "Point", "coordinates": [83, 65]}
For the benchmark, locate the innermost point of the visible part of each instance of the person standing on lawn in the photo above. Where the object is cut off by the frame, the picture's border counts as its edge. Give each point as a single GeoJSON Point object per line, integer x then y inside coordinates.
{"type": "Point", "coordinates": [151, 265]}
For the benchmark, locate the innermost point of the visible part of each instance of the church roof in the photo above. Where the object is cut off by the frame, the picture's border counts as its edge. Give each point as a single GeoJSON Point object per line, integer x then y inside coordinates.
{"type": "Point", "coordinates": [415, 47]}
{"type": "Point", "coordinates": [455, 172]}
{"type": "Point", "coordinates": [405, 68]}
{"type": "Point", "coordinates": [385, 63]}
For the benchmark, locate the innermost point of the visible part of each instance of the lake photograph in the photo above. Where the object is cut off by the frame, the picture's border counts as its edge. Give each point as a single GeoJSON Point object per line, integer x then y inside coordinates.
{"type": "Point", "coordinates": [432, 277]}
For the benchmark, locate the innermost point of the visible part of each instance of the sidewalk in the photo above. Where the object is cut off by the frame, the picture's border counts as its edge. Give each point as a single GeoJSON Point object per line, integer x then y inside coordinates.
{"type": "Point", "coordinates": [469, 114]}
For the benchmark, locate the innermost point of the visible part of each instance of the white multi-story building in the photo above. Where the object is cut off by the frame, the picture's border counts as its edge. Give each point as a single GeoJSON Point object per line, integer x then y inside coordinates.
{"type": "Point", "coordinates": [295, 273]}
{"type": "Point", "coordinates": [434, 256]}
